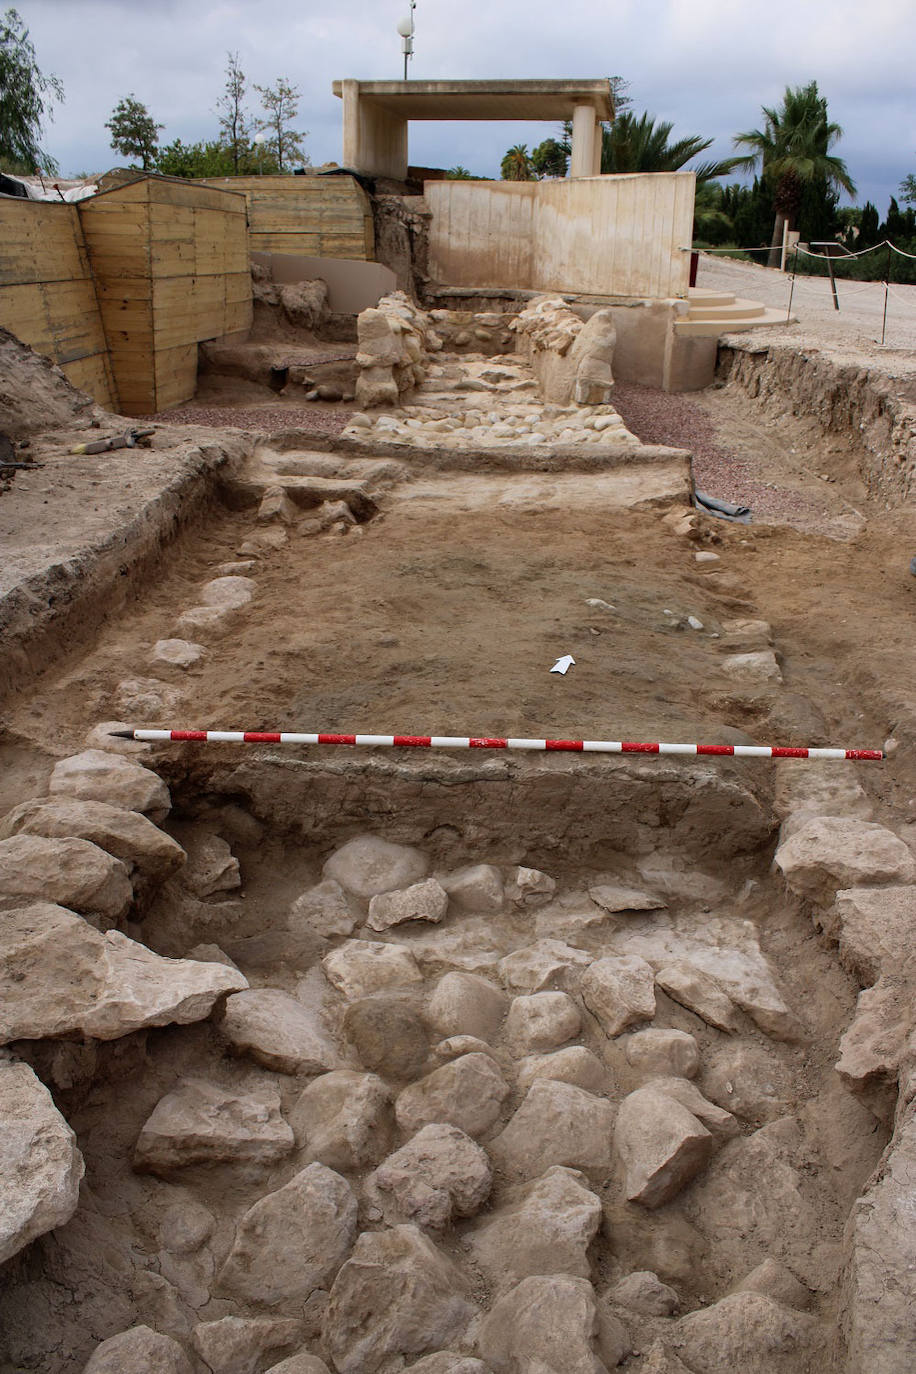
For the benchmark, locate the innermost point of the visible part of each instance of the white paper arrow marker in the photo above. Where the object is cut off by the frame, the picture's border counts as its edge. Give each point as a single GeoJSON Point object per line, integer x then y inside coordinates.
{"type": "Point", "coordinates": [563, 664]}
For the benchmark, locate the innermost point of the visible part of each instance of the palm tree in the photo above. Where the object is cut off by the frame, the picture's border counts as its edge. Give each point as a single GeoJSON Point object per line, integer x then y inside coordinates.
{"type": "Point", "coordinates": [641, 144]}
{"type": "Point", "coordinates": [792, 149]}
{"type": "Point", "coordinates": [516, 165]}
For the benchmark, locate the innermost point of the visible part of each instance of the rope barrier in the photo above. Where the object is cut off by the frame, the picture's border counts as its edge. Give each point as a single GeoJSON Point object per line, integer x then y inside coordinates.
{"type": "Point", "coordinates": [580, 746]}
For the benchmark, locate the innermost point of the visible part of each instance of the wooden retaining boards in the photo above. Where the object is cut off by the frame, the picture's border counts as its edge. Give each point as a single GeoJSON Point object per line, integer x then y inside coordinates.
{"type": "Point", "coordinates": [170, 260]}
{"type": "Point", "coordinates": [47, 295]}
{"type": "Point", "coordinates": [328, 217]}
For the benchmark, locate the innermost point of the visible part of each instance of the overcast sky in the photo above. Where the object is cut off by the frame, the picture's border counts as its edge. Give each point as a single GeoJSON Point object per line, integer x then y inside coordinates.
{"type": "Point", "coordinates": [706, 65]}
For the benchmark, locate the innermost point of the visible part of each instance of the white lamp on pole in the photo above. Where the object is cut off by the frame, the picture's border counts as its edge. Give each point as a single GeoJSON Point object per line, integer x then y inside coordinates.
{"type": "Point", "coordinates": [406, 30]}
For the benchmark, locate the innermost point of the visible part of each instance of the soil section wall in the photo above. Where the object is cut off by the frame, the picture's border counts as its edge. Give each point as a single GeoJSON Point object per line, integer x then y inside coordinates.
{"type": "Point", "coordinates": [841, 396]}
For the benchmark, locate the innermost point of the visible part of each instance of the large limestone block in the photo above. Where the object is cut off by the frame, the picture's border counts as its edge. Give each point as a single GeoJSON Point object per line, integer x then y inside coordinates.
{"type": "Point", "coordinates": [96, 775]}
{"type": "Point", "coordinates": [40, 1165]}
{"type": "Point", "coordinates": [147, 852]}
{"type": "Point", "coordinates": [881, 1281]}
{"type": "Point", "coordinates": [467, 1093]}
{"type": "Point", "coordinates": [396, 1295]}
{"type": "Point", "coordinates": [548, 1324]}
{"type": "Point", "coordinates": [138, 1351]}
{"type": "Point", "coordinates": [447, 1362]}
{"type": "Point", "coordinates": [872, 1047]}
{"type": "Point", "coordinates": [389, 1035]}
{"type": "Point", "coordinates": [343, 1119]}
{"type": "Point", "coordinates": [653, 1052]}
{"type": "Point", "coordinates": [875, 926]}
{"type": "Point", "coordinates": [230, 592]}
{"type": "Point", "coordinates": [575, 1064]}
{"type": "Point", "coordinates": [619, 992]}
{"type": "Point", "coordinates": [545, 1227]}
{"type": "Point", "coordinates": [59, 976]}
{"type": "Point", "coordinates": [201, 1123]}
{"type": "Point", "coordinates": [212, 867]}
{"type": "Point", "coordinates": [695, 990]}
{"type": "Point", "coordinates": [662, 1146]}
{"type": "Point", "coordinates": [424, 901]}
{"type": "Point", "coordinates": [556, 1123]}
{"type": "Point", "coordinates": [542, 966]}
{"type": "Point", "coordinates": [279, 1032]}
{"type": "Point", "coordinates": [360, 967]}
{"type": "Point", "coordinates": [367, 865]}
{"type": "Point", "coordinates": [721, 1124]}
{"type": "Point", "coordinates": [439, 1174]}
{"type": "Point", "coordinates": [831, 852]}
{"type": "Point", "coordinates": [324, 910]}
{"type": "Point", "coordinates": [73, 873]}
{"type": "Point", "coordinates": [753, 1334]}
{"type": "Point", "coordinates": [292, 1241]}
{"type": "Point", "coordinates": [644, 1292]}
{"type": "Point", "coordinates": [752, 1201]}
{"type": "Point", "coordinates": [613, 898]}
{"type": "Point", "coordinates": [240, 1345]}
{"type": "Point", "coordinates": [476, 887]}
{"type": "Point", "coordinates": [466, 1004]}
{"type": "Point", "coordinates": [542, 1021]}
{"type": "Point", "coordinates": [300, 1364]}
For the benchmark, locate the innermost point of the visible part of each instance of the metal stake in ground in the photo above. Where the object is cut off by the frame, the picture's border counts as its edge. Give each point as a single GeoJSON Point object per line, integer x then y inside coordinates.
{"type": "Point", "coordinates": [567, 746]}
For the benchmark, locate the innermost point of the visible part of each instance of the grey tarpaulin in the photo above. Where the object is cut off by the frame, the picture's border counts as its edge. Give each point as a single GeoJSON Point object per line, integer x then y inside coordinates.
{"type": "Point", "coordinates": [724, 509]}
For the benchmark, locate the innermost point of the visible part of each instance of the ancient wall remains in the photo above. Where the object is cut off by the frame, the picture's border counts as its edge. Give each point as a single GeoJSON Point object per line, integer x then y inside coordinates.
{"type": "Point", "coordinates": [322, 217]}
{"type": "Point", "coordinates": [609, 236]}
{"type": "Point", "coordinates": [170, 261]}
{"type": "Point", "coordinates": [47, 295]}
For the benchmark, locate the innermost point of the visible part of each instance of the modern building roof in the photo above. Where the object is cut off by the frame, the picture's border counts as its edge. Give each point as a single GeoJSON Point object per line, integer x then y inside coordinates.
{"type": "Point", "coordinates": [550, 100]}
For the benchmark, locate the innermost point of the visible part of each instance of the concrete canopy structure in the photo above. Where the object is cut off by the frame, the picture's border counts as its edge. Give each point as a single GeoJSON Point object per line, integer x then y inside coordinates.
{"type": "Point", "coordinates": [376, 115]}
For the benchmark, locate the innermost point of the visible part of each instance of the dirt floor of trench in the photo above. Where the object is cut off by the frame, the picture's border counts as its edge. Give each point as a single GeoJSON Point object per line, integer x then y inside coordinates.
{"type": "Point", "coordinates": [444, 615]}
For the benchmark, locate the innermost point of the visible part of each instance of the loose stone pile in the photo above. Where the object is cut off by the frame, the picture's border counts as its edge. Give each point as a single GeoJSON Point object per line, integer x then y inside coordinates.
{"type": "Point", "coordinates": [479, 402]}
{"type": "Point", "coordinates": [395, 340]}
{"type": "Point", "coordinates": [555, 391]}
{"type": "Point", "coordinates": [473, 1079]}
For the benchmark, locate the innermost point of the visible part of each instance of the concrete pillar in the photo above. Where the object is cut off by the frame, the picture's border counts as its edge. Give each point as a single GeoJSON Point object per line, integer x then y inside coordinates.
{"type": "Point", "coordinates": [584, 138]}
{"type": "Point", "coordinates": [374, 141]}
{"type": "Point", "coordinates": [351, 148]}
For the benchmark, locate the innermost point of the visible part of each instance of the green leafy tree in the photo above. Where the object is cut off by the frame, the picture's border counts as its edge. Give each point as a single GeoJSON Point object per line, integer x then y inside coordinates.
{"type": "Point", "coordinates": [792, 150]}
{"type": "Point", "coordinates": [516, 164]}
{"type": "Point", "coordinates": [907, 190]}
{"type": "Point", "coordinates": [134, 132]}
{"type": "Point", "coordinates": [235, 133]}
{"type": "Point", "coordinates": [642, 144]}
{"type": "Point", "coordinates": [550, 159]}
{"type": "Point", "coordinates": [27, 97]}
{"type": "Point", "coordinates": [281, 105]}
{"type": "Point", "coordinates": [195, 160]}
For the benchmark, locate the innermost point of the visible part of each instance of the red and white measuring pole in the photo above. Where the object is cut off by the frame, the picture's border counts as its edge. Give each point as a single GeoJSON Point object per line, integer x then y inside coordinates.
{"type": "Point", "coordinates": [568, 746]}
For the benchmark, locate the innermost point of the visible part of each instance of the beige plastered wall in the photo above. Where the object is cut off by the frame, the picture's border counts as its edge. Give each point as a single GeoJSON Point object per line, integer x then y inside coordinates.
{"type": "Point", "coordinates": [605, 236]}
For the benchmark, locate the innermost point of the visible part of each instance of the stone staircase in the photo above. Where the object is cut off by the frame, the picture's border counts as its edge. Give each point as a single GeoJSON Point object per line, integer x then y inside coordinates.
{"type": "Point", "coordinates": [707, 314]}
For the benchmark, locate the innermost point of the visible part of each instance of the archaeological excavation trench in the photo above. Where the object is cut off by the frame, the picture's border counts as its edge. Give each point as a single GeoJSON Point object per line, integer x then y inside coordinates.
{"type": "Point", "coordinates": [367, 1061]}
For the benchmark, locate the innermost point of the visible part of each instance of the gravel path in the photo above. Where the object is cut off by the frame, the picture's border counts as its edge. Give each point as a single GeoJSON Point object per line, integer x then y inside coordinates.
{"type": "Point", "coordinates": [315, 418]}
{"type": "Point", "coordinates": [656, 417]}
